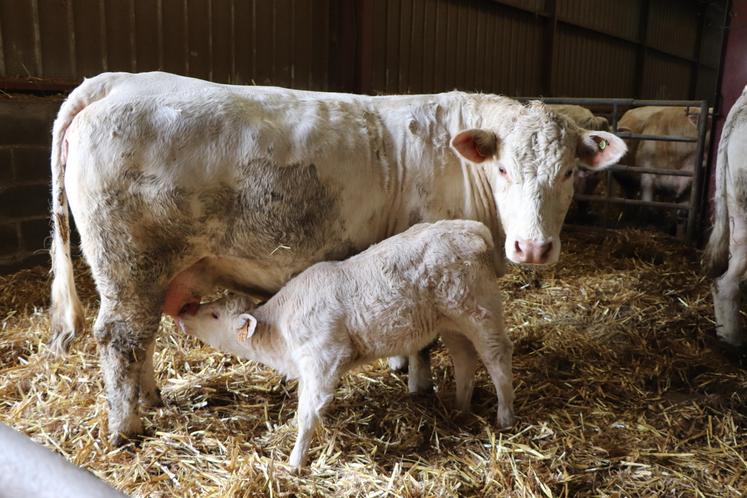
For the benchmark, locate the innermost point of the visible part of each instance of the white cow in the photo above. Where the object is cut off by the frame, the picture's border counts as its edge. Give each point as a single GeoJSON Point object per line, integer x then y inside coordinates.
{"type": "Point", "coordinates": [584, 181]}
{"type": "Point", "coordinates": [666, 121]}
{"type": "Point", "coordinates": [164, 172]}
{"type": "Point", "coordinates": [394, 298]}
{"type": "Point", "coordinates": [726, 252]}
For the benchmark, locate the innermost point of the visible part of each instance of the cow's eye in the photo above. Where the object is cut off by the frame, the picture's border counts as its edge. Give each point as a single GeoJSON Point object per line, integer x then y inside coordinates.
{"type": "Point", "coordinates": [215, 315]}
{"type": "Point", "coordinates": [568, 174]}
{"type": "Point", "coordinates": [502, 170]}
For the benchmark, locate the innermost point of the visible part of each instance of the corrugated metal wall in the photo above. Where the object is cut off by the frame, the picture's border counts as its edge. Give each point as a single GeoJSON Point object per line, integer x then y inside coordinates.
{"type": "Point", "coordinates": [592, 48]}
{"type": "Point", "coordinates": [283, 42]}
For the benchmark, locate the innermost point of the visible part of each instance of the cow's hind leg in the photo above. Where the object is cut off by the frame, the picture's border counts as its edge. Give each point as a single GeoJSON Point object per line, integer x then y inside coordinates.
{"type": "Point", "coordinates": [727, 301]}
{"type": "Point", "coordinates": [726, 291]}
{"type": "Point", "coordinates": [125, 331]}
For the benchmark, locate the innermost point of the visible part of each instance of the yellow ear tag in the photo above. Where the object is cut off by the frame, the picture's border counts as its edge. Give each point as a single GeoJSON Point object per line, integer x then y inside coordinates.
{"type": "Point", "coordinates": [602, 144]}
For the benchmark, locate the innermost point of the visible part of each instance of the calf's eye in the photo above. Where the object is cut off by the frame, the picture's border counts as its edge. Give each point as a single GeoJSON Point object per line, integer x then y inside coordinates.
{"type": "Point", "coordinates": [568, 173]}
{"type": "Point", "coordinates": [215, 315]}
{"type": "Point", "coordinates": [502, 170]}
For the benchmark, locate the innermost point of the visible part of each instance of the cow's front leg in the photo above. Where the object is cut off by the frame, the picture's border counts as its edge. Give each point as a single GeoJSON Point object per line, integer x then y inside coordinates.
{"type": "Point", "coordinates": [124, 331]}
{"type": "Point", "coordinates": [150, 395]}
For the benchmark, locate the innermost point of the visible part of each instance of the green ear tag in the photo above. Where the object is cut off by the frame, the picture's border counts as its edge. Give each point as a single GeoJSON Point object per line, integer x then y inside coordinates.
{"type": "Point", "coordinates": [602, 144]}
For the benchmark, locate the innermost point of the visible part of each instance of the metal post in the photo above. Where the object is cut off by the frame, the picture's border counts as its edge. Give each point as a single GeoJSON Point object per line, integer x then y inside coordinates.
{"type": "Point", "coordinates": [692, 216]}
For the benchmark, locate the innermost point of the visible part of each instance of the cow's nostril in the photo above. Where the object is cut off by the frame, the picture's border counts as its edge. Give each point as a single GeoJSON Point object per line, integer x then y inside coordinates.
{"type": "Point", "coordinates": [517, 248]}
{"type": "Point", "coordinates": [546, 248]}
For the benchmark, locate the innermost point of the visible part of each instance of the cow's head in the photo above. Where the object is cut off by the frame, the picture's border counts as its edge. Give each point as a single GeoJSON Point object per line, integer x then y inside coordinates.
{"type": "Point", "coordinates": [531, 157]}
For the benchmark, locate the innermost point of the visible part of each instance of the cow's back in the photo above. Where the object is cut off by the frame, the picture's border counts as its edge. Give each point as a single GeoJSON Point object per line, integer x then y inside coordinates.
{"type": "Point", "coordinates": [237, 171]}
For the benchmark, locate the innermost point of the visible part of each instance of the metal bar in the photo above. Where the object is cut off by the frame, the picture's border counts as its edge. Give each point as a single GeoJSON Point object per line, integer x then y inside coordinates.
{"type": "Point", "coordinates": [650, 171]}
{"type": "Point", "coordinates": [632, 202]}
{"type": "Point", "coordinates": [692, 218]}
{"type": "Point", "coordinates": [659, 138]}
{"type": "Point", "coordinates": [613, 101]}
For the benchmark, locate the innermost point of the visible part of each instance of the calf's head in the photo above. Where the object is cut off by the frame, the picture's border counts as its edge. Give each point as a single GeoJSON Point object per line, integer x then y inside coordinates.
{"type": "Point", "coordinates": [530, 159]}
{"type": "Point", "coordinates": [222, 323]}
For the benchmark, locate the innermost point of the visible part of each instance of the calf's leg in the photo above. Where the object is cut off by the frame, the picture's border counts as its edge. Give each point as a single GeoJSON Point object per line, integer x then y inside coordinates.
{"type": "Point", "coordinates": [465, 360]}
{"type": "Point", "coordinates": [484, 327]}
{"type": "Point", "coordinates": [315, 392]}
{"type": "Point", "coordinates": [419, 379]}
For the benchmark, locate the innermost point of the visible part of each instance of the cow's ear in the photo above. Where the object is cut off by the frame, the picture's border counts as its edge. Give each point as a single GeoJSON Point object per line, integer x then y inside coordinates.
{"type": "Point", "coordinates": [599, 149]}
{"type": "Point", "coordinates": [246, 325]}
{"type": "Point", "coordinates": [476, 145]}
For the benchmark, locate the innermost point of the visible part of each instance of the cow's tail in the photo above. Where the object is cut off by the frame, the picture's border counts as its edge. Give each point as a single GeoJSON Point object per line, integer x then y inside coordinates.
{"type": "Point", "coordinates": [66, 311]}
{"type": "Point", "coordinates": [716, 255]}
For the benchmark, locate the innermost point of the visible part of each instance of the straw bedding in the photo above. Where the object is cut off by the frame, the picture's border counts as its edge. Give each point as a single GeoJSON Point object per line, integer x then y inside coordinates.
{"type": "Point", "coordinates": [622, 390]}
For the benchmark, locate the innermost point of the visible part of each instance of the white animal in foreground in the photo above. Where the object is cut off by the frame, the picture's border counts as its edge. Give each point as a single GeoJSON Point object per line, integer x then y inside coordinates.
{"type": "Point", "coordinates": [166, 174]}
{"type": "Point", "coordinates": [28, 469]}
{"type": "Point", "coordinates": [394, 298]}
{"type": "Point", "coordinates": [726, 252]}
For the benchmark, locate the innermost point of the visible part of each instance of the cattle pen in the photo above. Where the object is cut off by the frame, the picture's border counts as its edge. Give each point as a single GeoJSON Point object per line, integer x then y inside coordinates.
{"type": "Point", "coordinates": [612, 108]}
{"type": "Point", "coordinates": [623, 386]}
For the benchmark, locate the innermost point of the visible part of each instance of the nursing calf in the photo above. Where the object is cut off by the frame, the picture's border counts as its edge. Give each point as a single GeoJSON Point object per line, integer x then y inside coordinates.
{"type": "Point", "coordinates": [726, 252]}
{"type": "Point", "coordinates": [394, 298]}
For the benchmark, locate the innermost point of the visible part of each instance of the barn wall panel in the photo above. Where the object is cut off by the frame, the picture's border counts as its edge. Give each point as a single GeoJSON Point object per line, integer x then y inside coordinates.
{"type": "Point", "coordinates": [409, 46]}
{"type": "Point", "coordinates": [63, 41]}
{"type": "Point", "coordinates": [590, 67]}
{"type": "Point", "coordinates": [673, 27]}
{"type": "Point", "coordinates": [437, 45]}
{"type": "Point", "coordinates": [617, 17]}
{"type": "Point", "coordinates": [665, 77]}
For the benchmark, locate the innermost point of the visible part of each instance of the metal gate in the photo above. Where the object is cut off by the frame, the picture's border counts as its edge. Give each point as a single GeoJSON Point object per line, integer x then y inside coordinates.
{"type": "Point", "coordinates": [616, 105]}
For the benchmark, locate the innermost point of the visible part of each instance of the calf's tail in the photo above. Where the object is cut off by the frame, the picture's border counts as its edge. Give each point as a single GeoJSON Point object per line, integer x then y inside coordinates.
{"type": "Point", "coordinates": [66, 311]}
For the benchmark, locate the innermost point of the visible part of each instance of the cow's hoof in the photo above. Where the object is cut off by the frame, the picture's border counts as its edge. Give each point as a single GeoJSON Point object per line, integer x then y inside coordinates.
{"type": "Point", "coordinates": [126, 432]}
{"type": "Point", "coordinates": [118, 440]}
{"type": "Point", "coordinates": [398, 363]}
{"type": "Point", "coordinates": [505, 419]}
{"type": "Point", "coordinates": [735, 341]}
{"type": "Point", "coordinates": [151, 399]}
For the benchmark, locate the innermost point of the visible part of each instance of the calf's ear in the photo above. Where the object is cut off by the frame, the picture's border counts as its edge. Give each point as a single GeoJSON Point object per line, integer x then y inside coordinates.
{"type": "Point", "coordinates": [599, 149]}
{"type": "Point", "coordinates": [476, 145]}
{"type": "Point", "coordinates": [246, 326]}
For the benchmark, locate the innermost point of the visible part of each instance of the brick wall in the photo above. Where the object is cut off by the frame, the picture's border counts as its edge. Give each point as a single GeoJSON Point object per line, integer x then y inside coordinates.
{"type": "Point", "coordinates": [25, 139]}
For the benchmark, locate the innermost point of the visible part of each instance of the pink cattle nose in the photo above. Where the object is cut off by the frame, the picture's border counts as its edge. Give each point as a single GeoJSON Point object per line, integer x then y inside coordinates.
{"type": "Point", "coordinates": [531, 252]}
